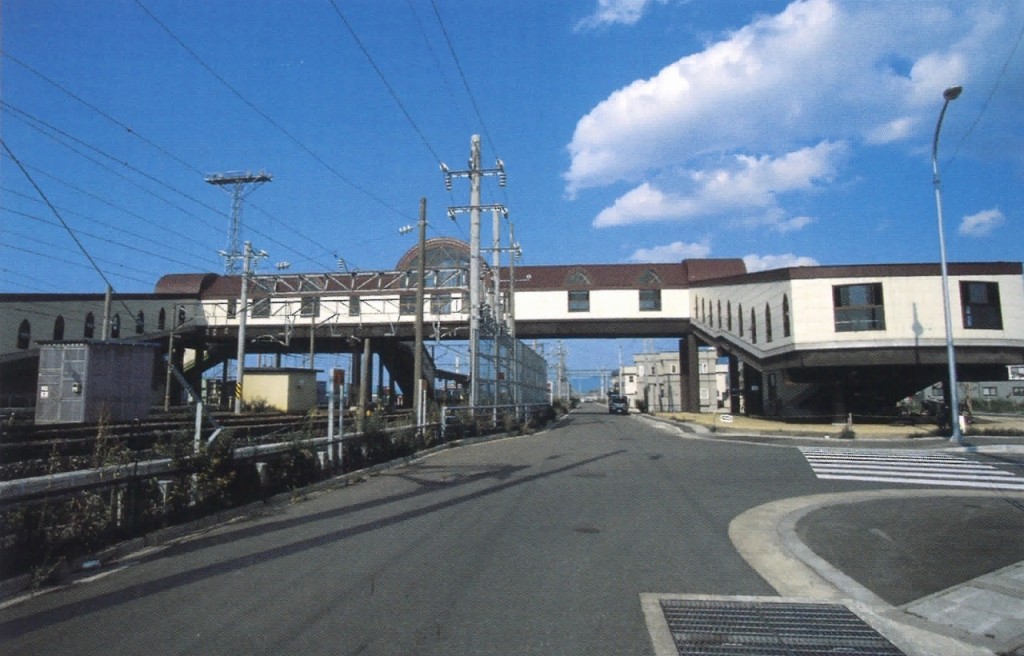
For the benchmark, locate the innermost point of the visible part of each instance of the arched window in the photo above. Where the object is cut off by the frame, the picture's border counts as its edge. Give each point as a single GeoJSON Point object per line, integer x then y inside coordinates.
{"type": "Point", "coordinates": [181, 315]}
{"type": "Point", "coordinates": [115, 326]}
{"type": "Point", "coordinates": [90, 326]}
{"type": "Point", "coordinates": [703, 312]}
{"type": "Point", "coordinates": [767, 323]}
{"type": "Point", "coordinates": [58, 328]}
{"type": "Point", "coordinates": [739, 318]}
{"type": "Point", "coordinates": [785, 316]}
{"type": "Point", "coordinates": [728, 315]}
{"type": "Point", "coordinates": [24, 334]}
{"type": "Point", "coordinates": [753, 327]}
{"type": "Point", "coordinates": [161, 319]}
{"type": "Point", "coordinates": [719, 314]}
{"type": "Point", "coordinates": [140, 323]}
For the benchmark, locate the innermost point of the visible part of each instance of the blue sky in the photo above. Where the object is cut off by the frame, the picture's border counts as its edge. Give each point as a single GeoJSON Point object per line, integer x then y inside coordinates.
{"type": "Point", "coordinates": [631, 130]}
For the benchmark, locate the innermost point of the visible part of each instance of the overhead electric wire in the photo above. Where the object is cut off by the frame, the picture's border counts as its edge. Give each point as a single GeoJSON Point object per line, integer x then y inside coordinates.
{"type": "Point", "coordinates": [384, 80]}
{"type": "Point", "coordinates": [92, 264]}
{"type": "Point", "coordinates": [988, 99]}
{"type": "Point", "coordinates": [309, 151]}
{"type": "Point", "coordinates": [53, 209]}
{"type": "Point", "coordinates": [147, 141]}
{"type": "Point", "coordinates": [106, 240]}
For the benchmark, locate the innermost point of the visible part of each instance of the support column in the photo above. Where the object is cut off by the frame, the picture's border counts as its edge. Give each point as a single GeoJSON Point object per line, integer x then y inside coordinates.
{"type": "Point", "coordinates": [689, 374]}
{"type": "Point", "coordinates": [364, 384]}
{"type": "Point", "coordinates": [735, 385]}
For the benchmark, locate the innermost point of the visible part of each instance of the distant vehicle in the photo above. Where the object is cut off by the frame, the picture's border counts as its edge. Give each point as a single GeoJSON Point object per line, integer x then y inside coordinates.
{"type": "Point", "coordinates": [618, 405]}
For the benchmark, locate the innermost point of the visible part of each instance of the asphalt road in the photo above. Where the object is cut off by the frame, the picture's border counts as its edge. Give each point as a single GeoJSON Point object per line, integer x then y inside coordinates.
{"type": "Point", "coordinates": [530, 545]}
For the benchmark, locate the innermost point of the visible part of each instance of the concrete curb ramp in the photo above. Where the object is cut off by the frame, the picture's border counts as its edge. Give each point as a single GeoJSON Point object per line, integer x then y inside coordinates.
{"type": "Point", "coordinates": [980, 617]}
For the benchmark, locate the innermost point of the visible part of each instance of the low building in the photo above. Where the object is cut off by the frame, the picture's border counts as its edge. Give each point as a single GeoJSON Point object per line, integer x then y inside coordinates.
{"type": "Point", "coordinates": [285, 389]}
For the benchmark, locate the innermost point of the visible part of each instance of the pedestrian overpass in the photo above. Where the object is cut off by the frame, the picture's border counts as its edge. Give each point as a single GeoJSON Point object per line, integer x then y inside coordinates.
{"type": "Point", "coordinates": [799, 341]}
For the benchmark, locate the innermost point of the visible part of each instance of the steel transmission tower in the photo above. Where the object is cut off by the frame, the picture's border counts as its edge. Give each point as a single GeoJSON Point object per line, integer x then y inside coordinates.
{"type": "Point", "coordinates": [238, 182]}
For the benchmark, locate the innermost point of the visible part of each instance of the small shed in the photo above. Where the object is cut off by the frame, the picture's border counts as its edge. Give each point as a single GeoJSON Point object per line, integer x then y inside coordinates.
{"type": "Point", "coordinates": [284, 389]}
{"type": "Point", "coordinates": [91, 380]}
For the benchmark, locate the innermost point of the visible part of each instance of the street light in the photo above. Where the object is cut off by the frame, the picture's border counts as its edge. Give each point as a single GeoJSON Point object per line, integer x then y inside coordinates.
{"type": "Point", "coordinates": [952, 93]}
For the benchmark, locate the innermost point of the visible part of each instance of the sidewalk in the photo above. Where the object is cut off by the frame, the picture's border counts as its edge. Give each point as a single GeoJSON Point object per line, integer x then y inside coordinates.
{"type": "Point", "coordinates": [941, 569]}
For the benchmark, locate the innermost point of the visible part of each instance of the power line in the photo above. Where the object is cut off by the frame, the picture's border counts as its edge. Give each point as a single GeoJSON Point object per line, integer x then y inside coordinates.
{"type": "Point", "coordinates": [56, 213]}
{"type": "Point", "coordinates": [988, 100]}
{"type": "Point", "coordinates": [264, 115]}
{"type": "Point", "coordinates": [146, 140]}
{"type": "Point", "coordinates": [384, 80]}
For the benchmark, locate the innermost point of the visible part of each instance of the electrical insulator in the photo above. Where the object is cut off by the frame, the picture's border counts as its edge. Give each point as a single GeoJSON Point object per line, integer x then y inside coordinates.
{"type": "Point", "coordinates": [448, 182]}
{"type": "Point", "coordinates": [502, 179]}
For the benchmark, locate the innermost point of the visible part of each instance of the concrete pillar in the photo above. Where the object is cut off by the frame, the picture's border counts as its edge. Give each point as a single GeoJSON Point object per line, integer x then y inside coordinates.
{"type": "Point", "coordinates": [364, 385]}
{"type": "Point", "coordinates": [689, 374]}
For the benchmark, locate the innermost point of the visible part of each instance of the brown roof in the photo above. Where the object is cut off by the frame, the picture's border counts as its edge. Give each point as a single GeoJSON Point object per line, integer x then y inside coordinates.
{"type": "Point", "coordinates": [628, 276]}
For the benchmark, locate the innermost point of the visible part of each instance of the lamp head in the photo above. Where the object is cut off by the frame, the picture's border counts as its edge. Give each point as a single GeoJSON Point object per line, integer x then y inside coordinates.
{"type": "Point", "coordinates": [952, 93]}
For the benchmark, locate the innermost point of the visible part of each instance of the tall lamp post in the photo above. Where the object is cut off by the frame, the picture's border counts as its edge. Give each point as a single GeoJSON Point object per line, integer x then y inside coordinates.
{"type": "Point", "coordinates": [950, 94]}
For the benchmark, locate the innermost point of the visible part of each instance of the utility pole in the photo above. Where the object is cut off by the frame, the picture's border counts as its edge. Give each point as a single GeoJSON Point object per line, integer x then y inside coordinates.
{"type": "Point", "coordinates": [243, 312]}
{"type": "Point", "coordinates": [475, 174]}
{"type": "Point", "coordinates": [238, 183]}
{"type": "Point", "coordinates": [418, 391]}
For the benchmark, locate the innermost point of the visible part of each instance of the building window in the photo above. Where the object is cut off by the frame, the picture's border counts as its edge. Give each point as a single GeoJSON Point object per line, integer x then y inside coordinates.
{"type": "Point", "coordinates": [719, 314]}
{"type": "Point", "coordinates": [407, 304]}
{"type": "Point", "coordinates": [182, 317]}
{"type": "Point", "coordinates": [140, 323]}
{"type": "Point", "coordinates": [1018, 391]}
{"type": "Point", "coordinates": [309, 306]}
{"type": "Point", "coordinates": [24, 334]}
{"type": "Point", "coordinates": [785, 316]}
{"type": "Point", "coordinates": [261, 307]}
{"type": "Point", "coordinates": [650, 300]}
{"type": "Point", "coordinates": [753, 327]}
{"type": "Point", "coordinates": [767, 323]}
{"type": "Point", "coordinates": [989, 391]}
{"type": "Point", "coordinates": [58, 328]}
{"type": "Point", "coordinates": [728, 316]}
{"type": "Point", "coordinates": [161, 319]}
{"type": "Point", "coordinates": [705, 394]}
{"type": "Point", "coordinates": [440, 304]}
{"type": "Point", "coordinates": [90, 326]}
{"type": "Point", "coordinates": [353, 306]}
{"type": "Point", "coordinates": [579, 300]}
{"type": "Point", "coordinates": [739, 318]}
{"type": "Point", "coordinates": [980, 303]}
{"type": "Point", "coordinates": [703, 367]}
{"type": "Point", "coordinates": [115, 326]}
{"type": "Point", "coordinates": [858, 307]}
{"type": "Point", "coordinates": [232, 308]}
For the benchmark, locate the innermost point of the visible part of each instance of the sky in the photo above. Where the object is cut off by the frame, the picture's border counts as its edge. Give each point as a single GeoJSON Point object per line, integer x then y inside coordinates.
{"type": "Point", "coordinates": [784, 133]}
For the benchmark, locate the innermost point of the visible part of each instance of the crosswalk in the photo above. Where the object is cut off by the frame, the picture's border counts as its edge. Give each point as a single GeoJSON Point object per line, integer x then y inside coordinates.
{"type": "Point", "coordinates": [914, 467]}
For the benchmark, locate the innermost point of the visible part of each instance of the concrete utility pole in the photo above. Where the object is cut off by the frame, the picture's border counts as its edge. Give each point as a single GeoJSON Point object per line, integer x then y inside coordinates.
{"type": "Point", "coordinates": [475, 174]}
{"type": "Point", "coordinates": [243, 312]}
{"type": "Point", "coordinates": [238, 183]}
{"type": "Point", "coordinates": [418, 391]}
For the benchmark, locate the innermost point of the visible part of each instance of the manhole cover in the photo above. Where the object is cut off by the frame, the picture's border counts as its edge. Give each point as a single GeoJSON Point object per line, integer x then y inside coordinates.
{"type": "Point", "coordinates": [741, 628]}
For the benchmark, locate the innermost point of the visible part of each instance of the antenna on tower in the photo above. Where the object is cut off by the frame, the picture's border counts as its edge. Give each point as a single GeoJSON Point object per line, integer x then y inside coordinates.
{"type": "Point", "coordinates": [238, 183]}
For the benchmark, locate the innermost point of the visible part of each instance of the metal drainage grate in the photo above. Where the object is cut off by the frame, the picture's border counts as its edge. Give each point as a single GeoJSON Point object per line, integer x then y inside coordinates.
{"type": "Point", "coordinates": [735, 628]}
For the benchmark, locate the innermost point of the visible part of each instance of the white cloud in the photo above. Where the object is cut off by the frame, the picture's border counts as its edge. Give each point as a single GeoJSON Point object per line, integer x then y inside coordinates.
{"type": "Point", "coordinates": [741, 183]}
{"type": "Point", "coordinates": [982, 223]}
{"type": "Point", "coordinates": [612, 12]}
{"type": "Point", "coordinates": [674, 252]}
{"type": "Point", "coordinates": [821, 70]}
{"type": "Point", "coordinates": [766, 262]}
